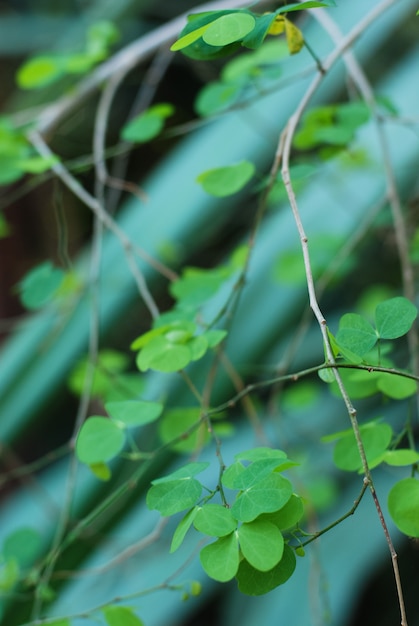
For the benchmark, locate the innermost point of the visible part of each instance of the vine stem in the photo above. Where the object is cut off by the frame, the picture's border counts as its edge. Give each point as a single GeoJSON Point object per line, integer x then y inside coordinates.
{"type": "Point", "coordinates": [283, 154]}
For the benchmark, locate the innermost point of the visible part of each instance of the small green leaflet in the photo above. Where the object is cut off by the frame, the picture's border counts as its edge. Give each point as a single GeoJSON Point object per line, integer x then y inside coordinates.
{"type": "Point", "coordinates": [23, 545]}
{"type": "Point", "coordinates": [148, 124]}
{"type": "Point", "coordinates": [99, 440]}
{"type": "Point", "coordinates": [134, 412]}
{"type": "Point", "coordinates": [300, 6]}
{"type": "Point", "coordinates": [376, 437]}
{"type": "Point", "coordinates": [228, 29]}
{"type": "Point", "coordinates": [225, 181]}
{"type": "Point", "coordinates": [40, 285]}
{"type": "Point", "coordinates": [174, 496]}
{"type": "Point", "coordinates": [182, 528]}
{"type": "Point", "coordinates": [186, 471]}
{"type": "Point", "coordinates": [356, 334]}
{"type": "Point", "coordinates": [288, 516]}
{"type": "Point", "coordinates": [220, 559]}
{"type": "Point", "coordinates": [261, 543]}
{"type": "Point", "coordinates": [215, 520]}
{"type": "Point", "coordinates": [403, 504]}
{"type": "Point", "coordinates": [266, 496]}
{"type": "Point", "coordinates": [121, 616]}
{"type": "Point", "coordinates": [253, 582]}
{"type": "Point", "coordinates": [394, 317]}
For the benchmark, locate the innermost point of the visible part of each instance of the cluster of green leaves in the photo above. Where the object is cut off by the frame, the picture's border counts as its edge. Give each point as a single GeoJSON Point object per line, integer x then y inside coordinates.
{"type": "Point", "coordinates": [250, 544]}
{"type": "Point", "coordinates": [359, 342]}
{"type": "Point", "coordinates": [17, 156]}
{"type": "Point", "coordinates": [46, 69]}
{"type": "Point", "coordinates": [242, 78]}
{"type": "Point", "coordinates": [148, 124]}
{"type": "Point", "coordinates": [379, 443]}
{"type": "Point", "coordinates": [215, 34]}
{"type": "Point", "coordinates": [330, 129]}
{"type": "Point", "coordinates": [170, 347]}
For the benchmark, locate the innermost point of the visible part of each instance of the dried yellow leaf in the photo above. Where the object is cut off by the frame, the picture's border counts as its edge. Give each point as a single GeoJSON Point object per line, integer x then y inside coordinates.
{"type": "Point", "coordinates": [295, 39]}
{"type": "Point", "coordinates": [278, 25]}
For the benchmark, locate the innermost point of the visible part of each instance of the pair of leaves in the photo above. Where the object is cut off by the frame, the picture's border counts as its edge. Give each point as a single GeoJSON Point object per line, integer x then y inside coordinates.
{"type": "Point", "coordinates": [46, 69]}
{"type": "Point", "coordinates": [100, 439]}
{"type": "Point", "coordinates": [393, 319]}
{"type": "Point", "coordinates": [376, 438]}
{"type": "Point", "coordinates": [171, 347]}
{"type": "Point", "coordinates": [331, 125]}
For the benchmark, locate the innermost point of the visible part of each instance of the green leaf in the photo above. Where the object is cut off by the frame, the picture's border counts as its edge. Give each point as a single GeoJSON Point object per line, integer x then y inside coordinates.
{"type": "Point", "coordinates": [194, 46]}
{"type": "Point", "coordinates": [24, 545]}
{"type": "Point", "coordinates": [189, 38]}
{"type": "Point", "coordinates": [101, 471]}
{"type": "Point", "coordinates": [182, 528]}
{"type": "Point", "coordinates": [225, 181]}
{"type": "Point", "coordinates": [197, 285]}
{"type": "Point", "coordinates": [300, 6]}
{"type": "Point", "coordinates": [260, 454]}
{"type": "Point", "coordinates": [266, 496]}
{"type": "Point", "coordinates": [376, 438]}
{"type": "Point", "coordinates": [40, 285]}
{"type": "Point", "coordinates": [220, 559]}
{"type": "Point", "coordinates": [9, 574]}
{"type": "Point", "coordinates": [261, 543]}
{"type": "Point", "coordinates": [231, 474]}
{"type": "Point", "coordinates": [148, 124]}
{"type": "Point", "coordinates": [164, 356]}
{"type": "Point", "coordinates": [215, 520]}
{"type": "Point", "coordinates": [40, 71]}
{"type": "Point", "coordinates": [36, 164]}
{"type": "Point", "coordinates": [400, 457]}
{"type": "Point", "coordinates": [60, 622]}
{"type": "Point", "coordinates": [121, 616]}
{"type": "Point", "coordinates": [253, 582]}
{"type": "Point", "coordinates": [288, 516]}
{"type": "Point", "coordinates": [356, 334]}
{"type": "Point", "coordinates": [99, 440]}
{"type": "Point", "coordinates": [179, 424]}
{"type": "Point", "coordinates": [215, 337]}
{"type": "Point", "coordinates": [396, 387]}
{"type": "Point", "coordinates": [395, 317]}
{"type": "Point", "coordinates": [216, 97]}
{"type": "Point", "coordinates": [186, 471]}
{"type": "Point", "coordinates": [134, 412]}
{"type": "Point", "coordinates": [229, 28]}
{"type": "Point", "coordinates": [403, 505]}
{"type": "Point", "coordinates": [255, 472]}
{"type": "Point", "coordinates": [255, 38]}
{"type": "Point", "coordinates": [174, 496]}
